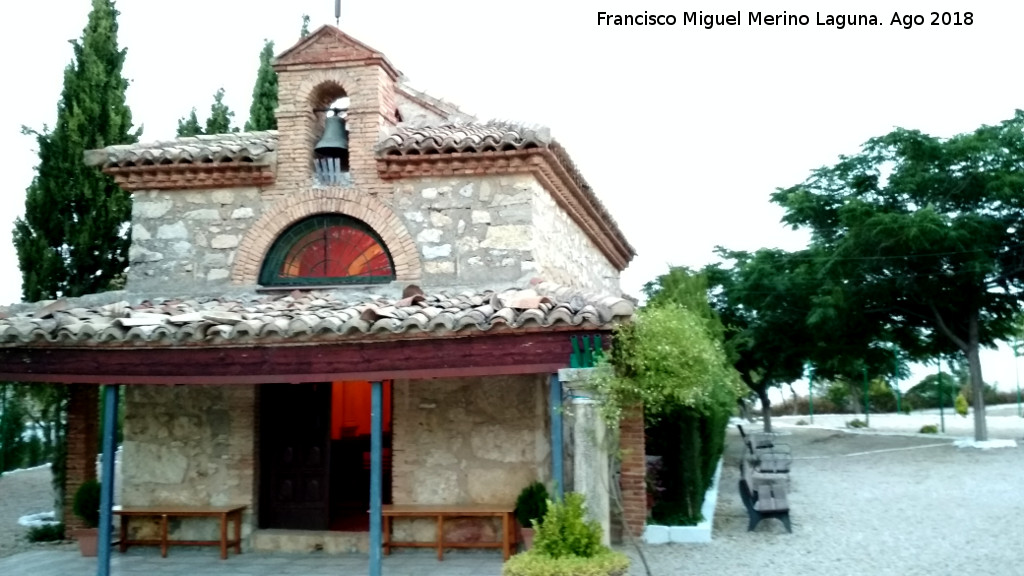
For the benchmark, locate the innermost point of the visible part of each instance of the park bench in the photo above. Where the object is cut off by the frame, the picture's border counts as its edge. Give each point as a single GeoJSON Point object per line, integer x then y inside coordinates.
{"type": "Point", "coordinates": [224, 513]}
{"type": "Point", "coordinates": [765, 500]}
{"type": "Point", "coordinates": [440, 513]}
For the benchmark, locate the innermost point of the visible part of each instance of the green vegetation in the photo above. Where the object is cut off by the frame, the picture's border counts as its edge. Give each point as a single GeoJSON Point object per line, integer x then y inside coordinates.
{"type": "Point", "coordinates": [567, 544]}
{"type": "Point", "coordinates": [532, 504]}
{"type": "Point", "coordinates": [46, 533]}
{"type": "Point", "coordinates": [87, 503]}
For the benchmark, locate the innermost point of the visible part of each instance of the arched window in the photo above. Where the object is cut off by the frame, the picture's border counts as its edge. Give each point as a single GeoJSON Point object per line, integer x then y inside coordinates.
{"type": "Point", "coordinates": [328, 249]}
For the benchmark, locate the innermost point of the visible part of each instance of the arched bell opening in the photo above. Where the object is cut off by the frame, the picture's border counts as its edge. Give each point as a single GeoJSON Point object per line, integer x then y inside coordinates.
{"type": "Point", "coordinates": [331, 152]}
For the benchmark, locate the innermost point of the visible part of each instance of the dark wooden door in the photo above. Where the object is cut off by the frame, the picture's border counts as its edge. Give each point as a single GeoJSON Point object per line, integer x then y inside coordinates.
{"type": "Point", "coordinates": [295, 456]}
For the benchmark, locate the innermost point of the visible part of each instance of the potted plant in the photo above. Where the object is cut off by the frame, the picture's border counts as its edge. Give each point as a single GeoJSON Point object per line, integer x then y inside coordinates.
{"type": "Point", "coordinates": [567, 544]}
{"type": "Point", "coordinates": [87, 507]}
{"type": "Point", "coordinates": [531, 505]}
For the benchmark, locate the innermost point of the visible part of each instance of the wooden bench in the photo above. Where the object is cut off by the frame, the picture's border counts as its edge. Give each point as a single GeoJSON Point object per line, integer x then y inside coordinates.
{"type": "Point", "coordinates": [440, 512]}
{"type": "Point", "coordinates": [765, 501]}
{"type": "Point", "coordinates": [225, 513]}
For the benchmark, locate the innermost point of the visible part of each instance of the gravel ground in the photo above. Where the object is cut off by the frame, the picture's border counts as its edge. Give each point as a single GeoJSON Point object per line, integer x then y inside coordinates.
{"type": "Point", "coordinates": [868, 504]}
{"type": "Point", "coordinates": [22, 493]}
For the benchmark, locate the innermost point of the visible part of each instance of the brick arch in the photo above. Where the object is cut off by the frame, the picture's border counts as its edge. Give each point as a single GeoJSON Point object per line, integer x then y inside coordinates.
{"type": "Point", "coordinates": [289, 210]}
{"type": "Point", "coordinates": [302, 98]}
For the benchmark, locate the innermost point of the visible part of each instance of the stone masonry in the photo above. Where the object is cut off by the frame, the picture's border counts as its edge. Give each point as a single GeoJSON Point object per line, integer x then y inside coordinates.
{"type": "Point", "coordinates": [183, 240]}
{"type": "Point", "coordinates": [189, 445]}
{"type": "Point", "coordinates": [469, 440]}
{"type": "Point", "coordinates": [504, 229]}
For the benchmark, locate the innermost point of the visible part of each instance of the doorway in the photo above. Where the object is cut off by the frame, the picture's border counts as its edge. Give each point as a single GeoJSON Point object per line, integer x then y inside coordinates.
{"type": "Point", "coordinates": [315, 455]}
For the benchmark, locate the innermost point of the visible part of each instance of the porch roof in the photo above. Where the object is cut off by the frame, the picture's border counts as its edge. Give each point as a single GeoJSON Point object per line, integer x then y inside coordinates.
{"type": "Point", "coordinates": [308, 317]}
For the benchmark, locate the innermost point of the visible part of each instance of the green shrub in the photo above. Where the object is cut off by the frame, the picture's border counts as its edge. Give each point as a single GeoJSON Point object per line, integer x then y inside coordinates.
{"type": "Point", "coordinates": [87, 503]}
{"type": "Point", "coordinates": [929, 429]}
{"type": "Point", "coordinates": [532, 504]}
{"type": "Point", "coordinates": [605, 563]}
{"type": "Point", "coordinates": [46, 533]}
{"type": "Point", "coordinates": [801, 422]}
{"type": "Point", "coordinates": [566, 531]}
{"type": "Point", "coordinates": [961, 404]}
{"type": "Point", "coordinates": [856, 423]}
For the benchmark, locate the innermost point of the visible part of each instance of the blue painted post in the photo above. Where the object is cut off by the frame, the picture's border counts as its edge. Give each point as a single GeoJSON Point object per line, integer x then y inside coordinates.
{"type": "Point", "coordinates": [555, 400]}
{"type": "Point", "coordinates": [107, 478]}
{"type": "Point", "coordinates": [376, 448]}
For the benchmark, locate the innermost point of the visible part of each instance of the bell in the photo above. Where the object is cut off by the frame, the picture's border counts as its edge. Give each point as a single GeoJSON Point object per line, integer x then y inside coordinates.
{"type": "Point", "coordinates": [334, 142]}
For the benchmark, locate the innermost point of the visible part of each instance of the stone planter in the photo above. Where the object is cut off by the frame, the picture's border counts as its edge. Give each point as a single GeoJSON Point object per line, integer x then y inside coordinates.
{"type": "Point", "coordinates": [88, 540]}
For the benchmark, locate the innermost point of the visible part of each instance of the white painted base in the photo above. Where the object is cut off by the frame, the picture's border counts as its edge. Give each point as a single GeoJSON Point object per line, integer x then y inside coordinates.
{"type": "Point", "coordinates": [654, 534]}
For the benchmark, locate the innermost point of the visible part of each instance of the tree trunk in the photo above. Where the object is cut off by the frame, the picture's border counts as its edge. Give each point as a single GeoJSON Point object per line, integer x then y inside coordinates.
{"type": "Point", "coordinates": [977, 383]}
{"type": "Point", "coordinates": [766, 408]}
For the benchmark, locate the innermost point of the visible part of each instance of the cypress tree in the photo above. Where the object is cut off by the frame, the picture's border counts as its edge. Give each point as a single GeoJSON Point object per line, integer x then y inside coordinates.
{"type": "Point", "coordinates": [264, 93]}
{"type": "Point", "coordinates": [189, 126]}
{"type": "Point", "coordinates": [73, 239]}
{"type": "Point", "coordinates": [219, 121]}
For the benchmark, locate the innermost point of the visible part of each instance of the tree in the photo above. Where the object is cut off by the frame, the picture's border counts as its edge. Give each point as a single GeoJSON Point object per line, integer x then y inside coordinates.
{"type": "Point", "coordinates": [219, 121]}
{"type": "Point", "coordinates": [189, 126]}
{"type": "Point", "coordinates": [73, 239]}
{"type": "Point", "coordinates": [264, 93]}
{"type": "Point", "coordinates": [763, 300]}
{"type": "Point", "coordinates": [927, 234]}
{"type": "Point", "coordinates": [305, 26]}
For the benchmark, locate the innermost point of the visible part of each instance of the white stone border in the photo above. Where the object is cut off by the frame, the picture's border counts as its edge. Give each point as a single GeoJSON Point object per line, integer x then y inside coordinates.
{"type": "Point", "coordinates": [654, 534]}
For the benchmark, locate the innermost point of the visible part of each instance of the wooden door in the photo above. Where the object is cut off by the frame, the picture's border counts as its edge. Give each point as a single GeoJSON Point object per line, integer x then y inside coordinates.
{"type": "Point", "coordinates": [295, 456]}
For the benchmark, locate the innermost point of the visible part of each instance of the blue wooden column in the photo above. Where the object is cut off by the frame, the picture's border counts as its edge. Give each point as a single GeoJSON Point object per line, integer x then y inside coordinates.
{"type": "Point", "coordinates": [376, 480]}
{"type": "Point", "coordinates": [107, 478]}
{"type": "Point", "coordinates": [555, 401]}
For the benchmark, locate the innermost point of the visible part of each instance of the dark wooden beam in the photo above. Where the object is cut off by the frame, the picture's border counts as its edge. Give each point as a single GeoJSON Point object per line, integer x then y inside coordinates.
{"type": "Point", "coordinates": [532, 353]}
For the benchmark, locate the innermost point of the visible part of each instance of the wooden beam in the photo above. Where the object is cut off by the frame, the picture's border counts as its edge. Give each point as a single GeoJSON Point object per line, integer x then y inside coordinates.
{"type": "Point", "coordinates": [533, 353]}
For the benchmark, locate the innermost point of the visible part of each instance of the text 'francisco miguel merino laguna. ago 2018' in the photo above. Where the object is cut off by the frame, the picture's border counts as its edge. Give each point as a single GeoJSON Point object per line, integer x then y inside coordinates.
{"type": "Point", "coordinates": [709, 20]}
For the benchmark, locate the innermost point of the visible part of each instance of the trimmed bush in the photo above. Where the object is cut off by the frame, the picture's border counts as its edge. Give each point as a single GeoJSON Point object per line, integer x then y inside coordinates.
{"type": "Point", "coordinates": [532, 504]}
{"type": "Point", "coordinates": [961, 404]}
{"type": "Point", "coordinates": [856, 423]}
{"type": "Point", "coordinates": [929, 429]}
{"type": "Point", "coordinates": [567, 544]}
{"type": "Point", "coordinates": [603, 564]}
{"type": "Point", "coordinates": [87, 503]}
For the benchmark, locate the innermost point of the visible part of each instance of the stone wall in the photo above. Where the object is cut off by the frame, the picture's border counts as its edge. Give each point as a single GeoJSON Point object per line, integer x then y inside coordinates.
{"type": "Point", "coordinates": [490, 230]}
{"type": "Point", "coordinates": [182, 240]}
{"type": "Point", "coordinates": [469, 231]}
{"type": "Point", "coordinates": [189, 445]}
{"type": "Point", "coordinates": [467, 440]}
{"type": "Point", "coordinates": [564, 253]}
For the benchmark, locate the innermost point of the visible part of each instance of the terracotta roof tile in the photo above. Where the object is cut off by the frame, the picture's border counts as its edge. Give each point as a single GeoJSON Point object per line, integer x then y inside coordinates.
{"type": "Point", "coordinates": [473, 137]}
{"type": "Point", "coordinates": [308, 316]}
{"type": "Point", "coordinates": [246, 147]}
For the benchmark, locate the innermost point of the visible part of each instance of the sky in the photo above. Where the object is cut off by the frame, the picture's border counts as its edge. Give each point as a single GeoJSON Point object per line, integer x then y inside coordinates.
{"type": "Point", "coordinates": [682, 131]}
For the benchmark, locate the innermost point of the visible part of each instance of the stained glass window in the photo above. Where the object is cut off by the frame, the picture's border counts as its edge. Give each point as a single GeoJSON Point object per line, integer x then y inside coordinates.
{"type": "Point", "coordinates": [328, 249]}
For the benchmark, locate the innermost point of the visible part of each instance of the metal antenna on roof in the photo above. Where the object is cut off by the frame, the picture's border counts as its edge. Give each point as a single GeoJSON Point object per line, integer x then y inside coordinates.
{"type": "Point", "coordinates": [337, 12]}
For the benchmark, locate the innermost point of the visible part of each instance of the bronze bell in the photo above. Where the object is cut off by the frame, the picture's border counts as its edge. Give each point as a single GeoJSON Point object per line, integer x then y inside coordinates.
{"type": "Point", "coordinates": [334, 142]}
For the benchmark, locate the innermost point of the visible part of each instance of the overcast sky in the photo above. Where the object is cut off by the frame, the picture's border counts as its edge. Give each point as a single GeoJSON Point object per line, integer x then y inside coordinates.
{"type": "Point", "coordinates": [683, 132]}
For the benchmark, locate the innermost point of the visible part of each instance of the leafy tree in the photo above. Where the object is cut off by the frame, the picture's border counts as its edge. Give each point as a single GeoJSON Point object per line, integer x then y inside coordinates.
{"type": "Point", "coordinates": [219, 121]}
{"type": "Point", "coordinates": [189, 126]}
{"type": "Point", "coordinates": [264, 93]}
{"type": "Point", "coordinates": [927, 235]}
{"type": "Point", "coordinates": [763, 300]}
{"type": "Point", "coordinates": [73, 239]}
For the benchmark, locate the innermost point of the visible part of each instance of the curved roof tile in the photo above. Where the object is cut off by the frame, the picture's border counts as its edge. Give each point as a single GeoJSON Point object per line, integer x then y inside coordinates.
{"type": "Point", "coordinates": [300, 316]}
